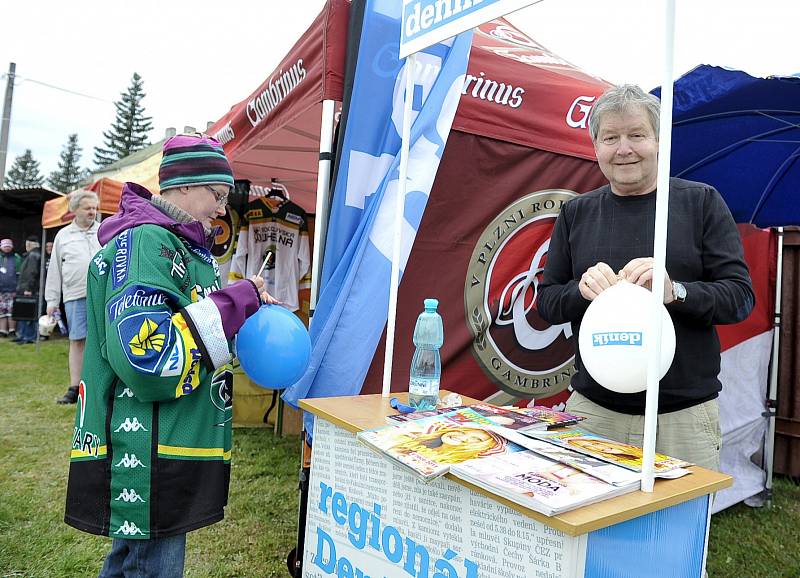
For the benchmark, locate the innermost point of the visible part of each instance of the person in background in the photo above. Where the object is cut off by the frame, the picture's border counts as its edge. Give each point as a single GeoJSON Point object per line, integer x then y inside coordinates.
{"type": "Point", "coordinates": [151, 458]}
{"type": "Point", "coordinates": [48, 252]}
{"type": "Point", "coordinates": [73, 248]}
{"type": "Point", "coordinates": [10, 263]}
{"type": "Point", "coordinates": [606, 235]}
{"type": "Point", "coordinates": [28, 285]}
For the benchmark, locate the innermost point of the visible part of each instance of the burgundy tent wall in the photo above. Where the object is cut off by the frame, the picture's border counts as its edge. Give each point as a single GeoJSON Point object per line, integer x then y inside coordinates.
{"type": "Point", "coordinates": [478, 177]}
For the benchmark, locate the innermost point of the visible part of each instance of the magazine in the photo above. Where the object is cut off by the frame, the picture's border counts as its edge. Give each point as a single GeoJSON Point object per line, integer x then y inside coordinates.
{"type": "Point", "coordinates": [625, 455]}
{"type": "Point", "coordinates": [519, 419]}
{"type": "Point", "coordinates": [536, 482]}
{"type": "Point", "coordinates": [429, 446]}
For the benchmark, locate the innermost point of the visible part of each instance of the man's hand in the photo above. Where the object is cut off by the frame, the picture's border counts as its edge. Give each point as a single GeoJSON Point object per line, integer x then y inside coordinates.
{"type": "Point", "coordinates": [597, 279]}
{"type": "Point", "coordinates": [51, 310]}
{"type": "Point", "coordinates": [640, 272]}
{"type": "Point", "coordinates": [265, 297]}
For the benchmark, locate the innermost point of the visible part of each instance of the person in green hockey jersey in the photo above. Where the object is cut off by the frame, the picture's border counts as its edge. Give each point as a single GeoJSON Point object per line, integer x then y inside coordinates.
{"type": "Point", "coordinates": [151, 448]}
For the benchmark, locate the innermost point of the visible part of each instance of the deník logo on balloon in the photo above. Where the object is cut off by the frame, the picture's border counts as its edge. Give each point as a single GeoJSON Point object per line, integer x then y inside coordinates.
{"type": "Point", "coordinates": [523, 354]}
{"type": "Point", "coordinates": [273, 347]}
{"type": "Point", "coordinates": [616, 335]}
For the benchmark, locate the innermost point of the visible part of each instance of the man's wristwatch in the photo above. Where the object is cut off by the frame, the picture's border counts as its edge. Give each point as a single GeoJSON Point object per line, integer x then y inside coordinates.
{"type": "Point", "coordinates": [678, 292]}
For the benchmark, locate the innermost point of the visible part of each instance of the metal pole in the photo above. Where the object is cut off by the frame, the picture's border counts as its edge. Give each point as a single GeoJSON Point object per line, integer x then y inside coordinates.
{"type": "Point", "coordinates": [12, 67]}
{"type": "Point", "coordinates": [659, 252]}
{"type": "Point", "coordinates": [772, 397]}
{"type": "Point", "coordinates": [411, 62]}
{"type": "Point", "coordinates": [323, 201]}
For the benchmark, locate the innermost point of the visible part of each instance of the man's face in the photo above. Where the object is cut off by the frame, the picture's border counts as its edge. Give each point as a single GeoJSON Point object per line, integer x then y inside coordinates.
{"type": "Point", "coordinates": [6, 249]}
{"type": "Point", "coordinates": [627, 151]}
{"type": "Point", "coordinates": [48, 247]}
{"type": "Point", "coordinates": [86, 212]}
{"type": "Point", "coordinates": [30, 246]}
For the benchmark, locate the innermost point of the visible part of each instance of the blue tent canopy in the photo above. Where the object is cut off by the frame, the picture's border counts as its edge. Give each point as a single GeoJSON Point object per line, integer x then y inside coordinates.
{"type": "Point", "coordinates": [740, 134]}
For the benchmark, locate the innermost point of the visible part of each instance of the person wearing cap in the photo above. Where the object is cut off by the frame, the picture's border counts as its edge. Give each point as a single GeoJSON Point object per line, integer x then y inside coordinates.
{"type": "Point", "coordinates": [151, 453]}
{"type": "Point", "coordinates": [10, 263]}
{"type": "Point", "coordinates": [28, 285]}
{"type": "Point", "coordinates": [73, 248]}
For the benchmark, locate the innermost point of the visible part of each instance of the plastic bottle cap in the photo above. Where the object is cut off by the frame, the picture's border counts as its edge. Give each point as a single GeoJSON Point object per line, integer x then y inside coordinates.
{"type": "Point", "coordinates": [431, 304]}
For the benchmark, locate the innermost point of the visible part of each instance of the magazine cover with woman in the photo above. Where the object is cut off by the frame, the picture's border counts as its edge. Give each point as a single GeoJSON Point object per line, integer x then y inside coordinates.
{"type": "Point", "coordinates": [429, 446]}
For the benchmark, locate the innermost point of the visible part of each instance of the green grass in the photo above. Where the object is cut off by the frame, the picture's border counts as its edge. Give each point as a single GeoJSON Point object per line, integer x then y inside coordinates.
{"type": "Point", "coordinates": [260, 524]}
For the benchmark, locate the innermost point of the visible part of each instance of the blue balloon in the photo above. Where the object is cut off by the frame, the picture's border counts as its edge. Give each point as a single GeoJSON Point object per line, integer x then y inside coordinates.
{"type": "Point", "coordinates": [273, 347]}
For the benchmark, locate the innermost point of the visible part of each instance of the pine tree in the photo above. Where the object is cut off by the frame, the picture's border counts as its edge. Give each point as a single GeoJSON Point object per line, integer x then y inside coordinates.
{"type": "Point", "coordinates": [128, 133]}
{"type": "Point", "coordinates": [24, 173]}
{"type": "Point", "coordinates": [69, 173]}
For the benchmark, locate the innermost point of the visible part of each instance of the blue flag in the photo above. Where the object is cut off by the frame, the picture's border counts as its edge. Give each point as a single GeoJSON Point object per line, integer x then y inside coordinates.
{"type": "Point", "coordinates": [352, 308]}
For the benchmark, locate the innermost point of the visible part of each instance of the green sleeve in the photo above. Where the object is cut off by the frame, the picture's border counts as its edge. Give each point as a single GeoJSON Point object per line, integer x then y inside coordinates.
{"type": "Point", "coordinates": [149, 344]}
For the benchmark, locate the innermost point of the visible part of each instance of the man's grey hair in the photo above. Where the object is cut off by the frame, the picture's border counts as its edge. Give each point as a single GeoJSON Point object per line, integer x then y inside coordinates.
{"type": "Point", "coordinates": [623, 98]}
{"type": "Point", "coordinates": [76, 197]}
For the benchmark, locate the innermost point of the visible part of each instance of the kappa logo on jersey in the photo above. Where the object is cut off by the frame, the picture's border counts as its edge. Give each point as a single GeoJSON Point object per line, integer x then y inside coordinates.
{"type": "Point", "coordinates": [136, 296]}
{"type": "Point", "coordinates": [147, 339]}
{"type": "Point", "coordinates": [130, 461]}
{"type": "Point", "coordinates": [130, 425]}
{"type": "Point", "coordinates": [127, 495]}
{"type": "Point", "coordinates": [174, 363]}
{"type": "Point", "coordinates": [515, 347]}
{"type": "Point", "coordinates": [102, 266]}
{"type": "Point", "coordinates": [122, 257]}
{"type": "Point", "coordinates": [129, 529]}
{"type": "Point", "coordinates": [126, 392]}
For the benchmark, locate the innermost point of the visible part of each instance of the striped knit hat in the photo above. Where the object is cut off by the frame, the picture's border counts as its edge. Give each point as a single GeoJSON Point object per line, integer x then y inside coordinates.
{"type": "Point", "coordinates": [193, 160]}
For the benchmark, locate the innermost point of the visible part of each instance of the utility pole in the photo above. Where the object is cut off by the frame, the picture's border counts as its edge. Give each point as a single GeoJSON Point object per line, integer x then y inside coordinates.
{"type": "Point", "coordinates": [12, 67]}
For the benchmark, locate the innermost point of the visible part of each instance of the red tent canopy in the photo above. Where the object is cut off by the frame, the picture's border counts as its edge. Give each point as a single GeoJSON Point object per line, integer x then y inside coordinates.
{"type": "Point", "coordinates": [275, 132]}
{"type": "Point", "coordinates": [521, 127]}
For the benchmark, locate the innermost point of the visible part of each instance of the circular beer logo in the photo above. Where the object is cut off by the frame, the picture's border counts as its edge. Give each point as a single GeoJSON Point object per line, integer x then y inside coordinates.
{"type": "Point", "coordinates": [225, 237]}
{"type": "Point", "coordinates": [524, 355]}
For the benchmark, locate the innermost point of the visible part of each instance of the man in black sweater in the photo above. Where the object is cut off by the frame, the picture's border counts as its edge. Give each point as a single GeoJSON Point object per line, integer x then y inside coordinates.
{"type": "Point", "coordinates": [606, 235]}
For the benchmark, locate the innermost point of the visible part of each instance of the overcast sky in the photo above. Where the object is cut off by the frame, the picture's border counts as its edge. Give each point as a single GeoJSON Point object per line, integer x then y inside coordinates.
{"type": "Point", "coordinates": [199, 58]}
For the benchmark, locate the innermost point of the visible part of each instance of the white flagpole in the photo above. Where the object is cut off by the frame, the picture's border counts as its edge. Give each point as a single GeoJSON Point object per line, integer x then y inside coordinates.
{"type": "Point", "coordinates": [398, 225]}
{"type": "Point", "coordinates": [659, 249]}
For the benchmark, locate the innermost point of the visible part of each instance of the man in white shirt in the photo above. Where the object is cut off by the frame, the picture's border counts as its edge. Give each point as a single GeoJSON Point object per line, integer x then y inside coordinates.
{"type": "Point", "coordinates": [73, 249]}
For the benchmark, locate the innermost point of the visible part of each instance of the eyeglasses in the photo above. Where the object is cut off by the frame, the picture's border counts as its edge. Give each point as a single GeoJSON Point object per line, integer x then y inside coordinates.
{"type": "Point", "coordinates": [222, 198]}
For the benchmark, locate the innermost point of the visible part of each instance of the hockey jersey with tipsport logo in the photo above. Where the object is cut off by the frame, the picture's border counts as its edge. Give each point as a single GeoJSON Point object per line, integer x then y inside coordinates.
{"type": "Point", "coordinates": [284, 232]}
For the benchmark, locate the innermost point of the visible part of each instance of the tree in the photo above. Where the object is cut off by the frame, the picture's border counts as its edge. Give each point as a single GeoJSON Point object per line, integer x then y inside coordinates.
{"type": "Point", "coordinates": [128, 133]}
{"type": "Point", "coordinates": [69, 174]}
{"type": "Point", "coordinates": [24, 173]}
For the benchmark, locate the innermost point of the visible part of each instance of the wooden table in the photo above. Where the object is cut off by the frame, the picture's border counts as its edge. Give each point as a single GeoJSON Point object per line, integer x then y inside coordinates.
{"type": "Point", "coordinates": [475, 533]}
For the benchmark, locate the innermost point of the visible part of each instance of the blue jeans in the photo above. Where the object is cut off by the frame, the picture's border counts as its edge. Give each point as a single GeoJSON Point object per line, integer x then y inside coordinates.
{"type": "Point", "coordinates": [27, 331]}
{"type": "Point", "coordinates": [157, 558]}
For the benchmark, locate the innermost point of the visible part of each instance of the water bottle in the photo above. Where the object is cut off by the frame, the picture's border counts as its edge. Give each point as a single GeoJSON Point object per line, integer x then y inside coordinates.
{"type": "Point", "coordinates": [61, 327]}
{"type": "Point", "coordinates": [426, 366]}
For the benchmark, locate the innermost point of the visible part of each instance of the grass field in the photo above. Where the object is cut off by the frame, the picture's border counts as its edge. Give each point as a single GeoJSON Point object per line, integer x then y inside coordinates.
{"type": "Point", "coordinates": [260, 524]}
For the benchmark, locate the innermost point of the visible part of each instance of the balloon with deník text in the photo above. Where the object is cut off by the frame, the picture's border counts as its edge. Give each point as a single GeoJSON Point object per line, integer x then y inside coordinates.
{"type": "Point", "coordinates": [273, 347]}
{"type": "Point", "coordinates": [615, 337]}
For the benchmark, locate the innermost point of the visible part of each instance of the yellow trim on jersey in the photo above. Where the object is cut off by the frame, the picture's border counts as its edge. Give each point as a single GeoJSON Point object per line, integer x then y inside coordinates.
{"type": "Point", "coordinates": [75, 454]}
{"type": "Point", "coordinates": [194, 452]}
{"type": "Point", "coordinates": [190, 376]}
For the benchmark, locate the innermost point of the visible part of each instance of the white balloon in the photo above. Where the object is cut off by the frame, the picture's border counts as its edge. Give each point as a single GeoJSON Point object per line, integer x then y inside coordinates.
{"type": "Point", "coordinates": [615, 336]}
